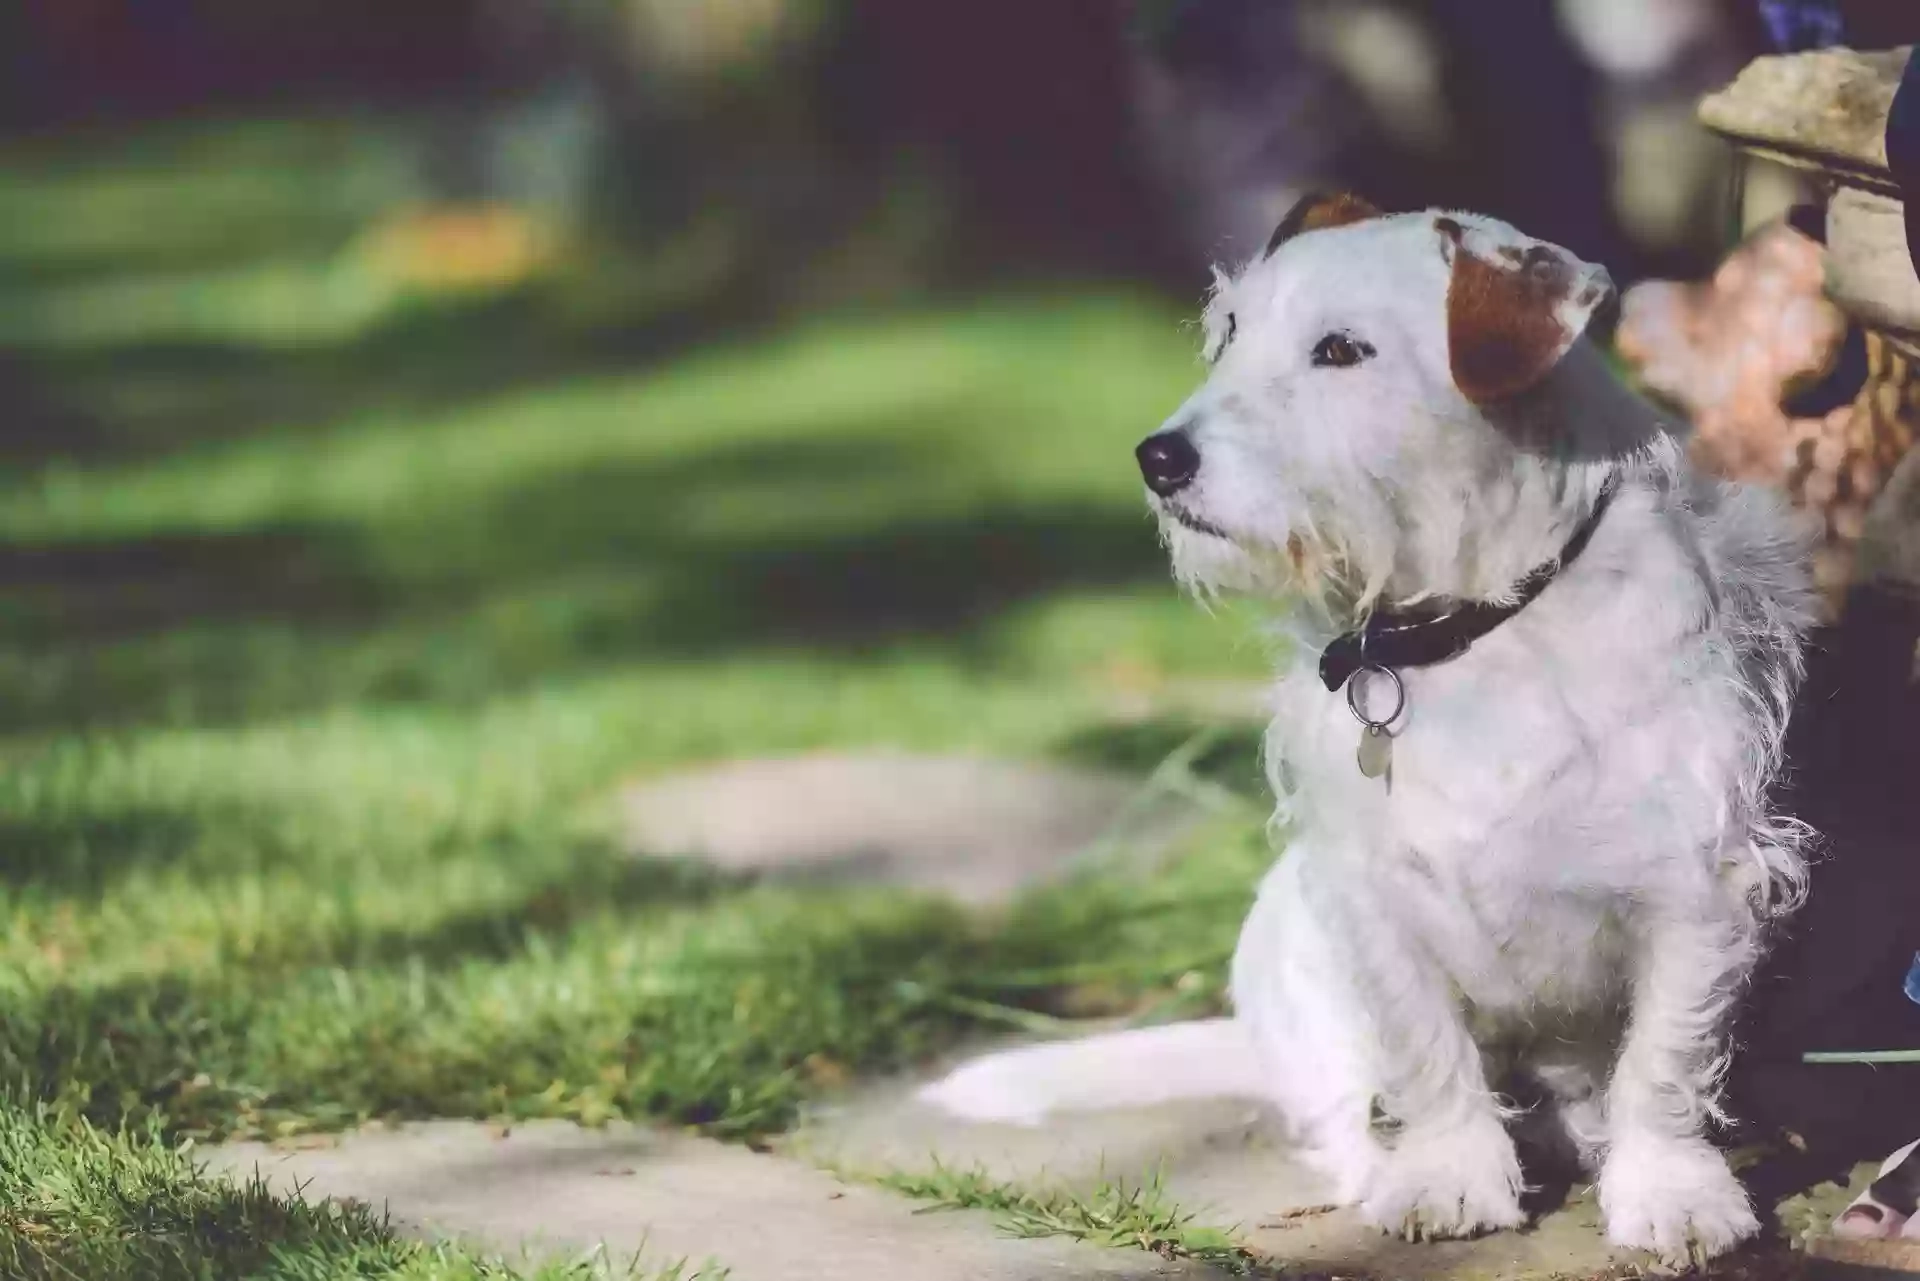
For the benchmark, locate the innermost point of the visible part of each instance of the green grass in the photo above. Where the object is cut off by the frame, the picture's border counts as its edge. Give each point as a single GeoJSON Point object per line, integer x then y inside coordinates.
{"type": "Point", "coordinates": [1112, 1213]}
{"type": "Point", "coordinates": [325, 644]}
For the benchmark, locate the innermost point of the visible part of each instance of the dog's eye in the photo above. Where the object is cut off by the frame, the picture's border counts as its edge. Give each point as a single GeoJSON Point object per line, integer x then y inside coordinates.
{"type": "Point", "coordinates": [1226, 340]}
{"type": "Point", "coordinates": [1340, 351]}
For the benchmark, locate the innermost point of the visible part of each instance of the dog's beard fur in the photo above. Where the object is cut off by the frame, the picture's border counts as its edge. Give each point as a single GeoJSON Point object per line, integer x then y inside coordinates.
{"type": "Point", "coordinates": [1472, 535]}
{"type": "Point", "coordinates": [1333, 557]}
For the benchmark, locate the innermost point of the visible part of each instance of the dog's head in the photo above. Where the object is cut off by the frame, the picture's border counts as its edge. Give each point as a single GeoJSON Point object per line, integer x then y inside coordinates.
{"type": "Point", "coordinates": [1375, 407]}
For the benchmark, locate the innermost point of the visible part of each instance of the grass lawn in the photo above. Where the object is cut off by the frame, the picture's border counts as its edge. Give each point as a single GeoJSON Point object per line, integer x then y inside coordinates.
{"type": "Point", "coordinates": [331, 618]}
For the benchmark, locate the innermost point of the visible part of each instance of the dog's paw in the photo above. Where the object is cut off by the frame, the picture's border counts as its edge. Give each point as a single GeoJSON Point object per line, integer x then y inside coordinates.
{"type": "Point", "coordinates": [1675, 1197]}
{"type": "Point", "coordinates": [997, 1088]}
{"type": "Point", "coordinates": [1446, 1181]}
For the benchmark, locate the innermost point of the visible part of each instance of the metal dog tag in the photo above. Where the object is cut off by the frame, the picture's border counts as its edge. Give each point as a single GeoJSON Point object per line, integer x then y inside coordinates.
{"type": "Point", "coordinates": [1375, 756]}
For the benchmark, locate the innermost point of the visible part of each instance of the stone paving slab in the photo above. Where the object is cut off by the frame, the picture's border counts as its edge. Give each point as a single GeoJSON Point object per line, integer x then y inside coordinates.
{"type": "Point", "coordinates": [554, 1189]}
{"type": "Point", "coordinates": [976, 828]}
{"type": "Point", "coordinates": [1221, 1160]}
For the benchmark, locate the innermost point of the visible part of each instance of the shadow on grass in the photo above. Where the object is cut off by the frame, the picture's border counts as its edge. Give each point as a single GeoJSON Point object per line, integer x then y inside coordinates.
{"type": "Point", "coordinates": [80, 854]}
{"type": "Point", "coordinates": [587, 881]}
{"type": "Point", "coordinates": [117, 403]}
{"type": "Point", "coordinates": [99, 591]}
{"type": "Point", "coordinates": [567, 576]}
{"type": "Point", "coordinates": [38, 423]}
{"type": "Point", "coordinates": [77, 853]}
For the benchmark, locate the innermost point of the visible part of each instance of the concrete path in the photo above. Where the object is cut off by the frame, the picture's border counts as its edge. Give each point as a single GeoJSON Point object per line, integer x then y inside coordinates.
{"type": "Point", "coordinates": [974, 828]}
{"type": "Point", "coordinates": [806, 1210]}
{"type": "Point", "coordinates": [553, 1189]}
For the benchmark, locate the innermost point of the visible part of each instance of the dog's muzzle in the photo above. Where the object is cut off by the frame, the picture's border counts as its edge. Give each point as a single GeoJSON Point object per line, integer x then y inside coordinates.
{"type": "Point", "coordinates": [1191, 521]}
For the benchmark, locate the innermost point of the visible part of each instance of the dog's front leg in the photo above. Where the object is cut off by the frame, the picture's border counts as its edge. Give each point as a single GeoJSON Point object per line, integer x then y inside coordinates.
{"type": "Point", "coordinates": [1349, 1010]}
{"type": "Point", "coordinates": [1663, 1186]}
{"type": "Point", "coordinates": [1448, 1167]}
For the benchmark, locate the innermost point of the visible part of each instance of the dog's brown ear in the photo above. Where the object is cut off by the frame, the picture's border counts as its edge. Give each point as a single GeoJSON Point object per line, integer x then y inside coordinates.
{"type": "Point", "coordinates": [1514, 308]}
{"type": "Point", "coordinates": [1318, 210]}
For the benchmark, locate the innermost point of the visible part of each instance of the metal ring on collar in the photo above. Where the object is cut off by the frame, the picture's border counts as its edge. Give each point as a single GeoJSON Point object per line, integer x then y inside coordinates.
{"type": "Point", "coordinates": [1353, 697]}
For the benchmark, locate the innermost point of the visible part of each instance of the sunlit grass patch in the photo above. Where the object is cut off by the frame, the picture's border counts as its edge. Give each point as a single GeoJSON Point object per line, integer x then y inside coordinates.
{"type": "Point", "coordinates": [1113, 1212]}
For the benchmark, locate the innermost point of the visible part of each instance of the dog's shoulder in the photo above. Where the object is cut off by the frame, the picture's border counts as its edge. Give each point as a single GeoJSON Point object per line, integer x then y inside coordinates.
{"type": "Point", "coordinates": [1755, 552]}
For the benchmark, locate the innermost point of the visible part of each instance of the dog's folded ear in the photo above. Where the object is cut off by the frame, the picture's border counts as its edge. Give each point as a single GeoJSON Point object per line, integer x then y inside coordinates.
{"type": "Point", "coordinates": [1514, 307]}
{"type": "Point", "coordinates": [1318, 210]}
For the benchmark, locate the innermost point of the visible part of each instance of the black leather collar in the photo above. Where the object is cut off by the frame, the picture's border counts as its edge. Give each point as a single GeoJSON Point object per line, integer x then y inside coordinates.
{"type": "Point", "coordinates": [1424, 635]}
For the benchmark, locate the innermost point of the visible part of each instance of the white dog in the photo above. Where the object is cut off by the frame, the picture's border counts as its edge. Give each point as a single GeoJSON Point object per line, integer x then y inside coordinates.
{"type": "Point", "coordinates": [1524, 788]}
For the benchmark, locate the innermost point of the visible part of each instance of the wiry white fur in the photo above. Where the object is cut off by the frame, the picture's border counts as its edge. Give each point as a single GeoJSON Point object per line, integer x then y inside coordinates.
{"type": "Point", "coordinates": [1570, 876]}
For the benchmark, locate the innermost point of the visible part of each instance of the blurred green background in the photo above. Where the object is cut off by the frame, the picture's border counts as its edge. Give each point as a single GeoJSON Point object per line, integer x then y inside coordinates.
{"type": "Point", "coordinates": [422, 419]}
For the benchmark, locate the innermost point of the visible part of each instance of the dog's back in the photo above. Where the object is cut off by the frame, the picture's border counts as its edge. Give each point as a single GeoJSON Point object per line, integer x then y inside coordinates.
{"type": "Point", "coordinates": [1755, 555]}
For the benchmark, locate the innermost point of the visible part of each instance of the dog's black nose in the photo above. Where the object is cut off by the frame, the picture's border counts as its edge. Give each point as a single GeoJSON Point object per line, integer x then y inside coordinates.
{"type": "Point", "coordinates": [1169, 461]}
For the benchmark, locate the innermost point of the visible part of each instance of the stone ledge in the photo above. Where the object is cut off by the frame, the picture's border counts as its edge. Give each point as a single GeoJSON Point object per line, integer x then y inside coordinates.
{"type": "Point", "coordinates": [1825, 110]}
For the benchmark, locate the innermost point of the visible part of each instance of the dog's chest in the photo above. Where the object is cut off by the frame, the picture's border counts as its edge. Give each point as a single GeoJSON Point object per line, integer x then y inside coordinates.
{"type": "Point", "coordinates": [1472, 754]}
{"type": "Point", "coordinates": [1506, 946]}
{"type": "Point", "coordinates": [1548, 769]}
{"type": "Point", "coordinates": [1525, 811]}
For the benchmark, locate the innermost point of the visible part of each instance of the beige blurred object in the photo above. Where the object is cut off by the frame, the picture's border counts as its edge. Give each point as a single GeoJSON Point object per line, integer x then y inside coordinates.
{"type": "Point", "coordinates": [1653, 59]}
{"type": "Point", "coordinates": [1635, 38]}
{"type": "Point", "coordinates": [1391, 59]}
{"type": "Point", "coordinates": [1732, 350]}
{"type": "Point", "coordinates": [1823, 114]}
{"type": "Point", "coordinates": [1769, 191]}
{"type": "Point", "coordinates": [1868, 270]}
{"type": "Point", "coordinates": [1728, 351]}
{"type": "Point", "coordinates": [699, 39]}
{"type": "Point", "coordinates": [1665, 170]}
{"type": "Point", "coordinates": [1826, 110]}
